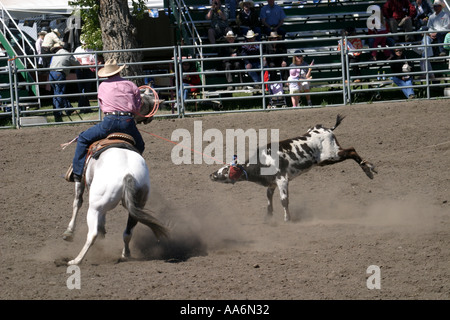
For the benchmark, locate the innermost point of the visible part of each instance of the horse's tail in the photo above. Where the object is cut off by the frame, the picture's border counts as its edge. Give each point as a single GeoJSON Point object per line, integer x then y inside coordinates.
{"type": "Point", "coordinates": [131, 199]}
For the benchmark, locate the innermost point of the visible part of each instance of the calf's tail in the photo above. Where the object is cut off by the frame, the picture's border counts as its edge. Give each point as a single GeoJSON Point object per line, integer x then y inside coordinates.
{"type": "Point", "coordinates": [339, 119]}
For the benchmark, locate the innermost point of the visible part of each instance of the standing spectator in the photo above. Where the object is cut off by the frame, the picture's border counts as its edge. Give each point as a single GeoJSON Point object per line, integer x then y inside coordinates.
{"type": "Point", "coordinates": [272, 18]}
{"type": "Point", "coordinates": [399, 13]}
{"type": "Point", "coordinates": [423, 12]}
{"type": "Point", "coordinates": [439, 21]}
{"type": "Point", "coordinates": [250, 48]}
{"type": "Point", "coordinates": [85, 58]}
{"type": "Point", "coordinates": [58, 74]}
{"type": "Point", "coordinates": [354, 43]}
{"type": "Point", "coordinates": [425, 51]}
{"type": "Point", "coordinates": [248, 19]}
{"type": "Point", "coordinates": [405, 68]}
{"type": "Point", "coordinates": [298, 78]}
{"type": "Point", "coordinates": [231, 64]}
{"type": "Point", "coordinates": [219, 21]}
{"type": "Point", "coordinates": [50, 39]}
{"type": "Point", "coordinates": [38, 46]}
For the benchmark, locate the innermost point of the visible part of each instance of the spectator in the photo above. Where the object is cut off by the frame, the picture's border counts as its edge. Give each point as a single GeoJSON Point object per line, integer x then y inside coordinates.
{"type": "Point", "coordinates": [58, 74]}
{"type": "Point", "coordinates": [248, 19]}
{"type": "Point", "coordinates": [380, 41]}
{"type": "Point", "coordinates": [231, 64]}
{"type": "Point", "coordinates": [405, 68]}
{"type": "Point", "coordinates": [85, 58]}
{"type": "Point", "coordinates": [439, 21]}
{"type": "Point", "coordinates": [38, 46]}
{"type": "Point", "coordinates": [399, 13]}
{"type": "Point", "coordinates": [423, 12]}
{"type": "Point", "coordinates": [425, 51]}
{"type": "Point", "coordinates": [252, 49]}
{"type": "Point", "coordinates": [270, 48]}
{"type": "Point", "coordinates": [119, 99]}
{"type": "Point", "coordinates": [50, 39]}
{"type": "Point", "coordinates": [189, 80]}
{"type": "Point", "coordinates": [272, 18]}
{"type": "Point", "coordinates": [298, 78]}
{"type": "Point", "coordinates": [354, 43]}
{"type": "Point", "coordinates": [219, 21]}
{"type": "Point", "coordinates": [231, 5]}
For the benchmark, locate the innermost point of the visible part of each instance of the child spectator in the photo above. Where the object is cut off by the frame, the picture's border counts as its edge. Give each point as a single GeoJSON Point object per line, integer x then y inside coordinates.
{"type": "Point", "coordinates": [298, 78]}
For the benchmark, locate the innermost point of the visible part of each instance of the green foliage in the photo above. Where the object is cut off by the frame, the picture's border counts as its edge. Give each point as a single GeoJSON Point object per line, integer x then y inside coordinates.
{"type": "Point", "coordinates": [90, 30]}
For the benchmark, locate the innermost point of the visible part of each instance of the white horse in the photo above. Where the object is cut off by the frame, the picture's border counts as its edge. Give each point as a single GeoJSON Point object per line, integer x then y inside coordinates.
{"type": "Point", "coordinates": [117, 175]}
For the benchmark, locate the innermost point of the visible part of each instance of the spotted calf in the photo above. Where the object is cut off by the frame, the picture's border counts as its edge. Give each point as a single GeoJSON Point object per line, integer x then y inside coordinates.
{"type": "Point", "coordinates": [318, 147]}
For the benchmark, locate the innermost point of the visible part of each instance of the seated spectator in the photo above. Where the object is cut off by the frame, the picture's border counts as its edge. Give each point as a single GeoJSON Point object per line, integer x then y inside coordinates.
{"type": "Point", "coordinates": [189, 80]}
{"type": "Point", "coordinates": [272, 18]}
{"type": "Point", "coordinates": [248, 19]}
{"type": "Point", "coordinates": [298, 78]}
{"type": "Point", "coordinates": [425, 51]}
{"type": "Point", "coordinates": [439, 21]}
{"type": "Point", "coordinates": [231, 64]}
{"type": "Point", "coordinates": [219, 21]}
{"type": "Point", "coordinates": [405, 68]}
{"type": "Point", "coordinates": [272, 47]}
{"type": "Point", "coordinates": [380, 41]}
{"type": "Point", "coordinates": [423, 12]}
{"type": "Point", "coordinates": [250, 48]}
{"type": "Point", "coordinates": [354, 43]}
{"type": "Point", "coordinates": [399, 13]}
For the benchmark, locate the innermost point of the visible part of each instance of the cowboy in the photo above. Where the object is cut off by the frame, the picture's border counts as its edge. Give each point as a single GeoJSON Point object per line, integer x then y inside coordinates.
{"type": "Point", "coordinates": [119, 99]}
{"type": "Point", "coordinates": [50, 39]}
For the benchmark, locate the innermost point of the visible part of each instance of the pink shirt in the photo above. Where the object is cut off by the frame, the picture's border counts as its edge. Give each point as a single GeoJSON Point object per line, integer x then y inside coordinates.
{"type": "Point", "coordinates": [118, 94]}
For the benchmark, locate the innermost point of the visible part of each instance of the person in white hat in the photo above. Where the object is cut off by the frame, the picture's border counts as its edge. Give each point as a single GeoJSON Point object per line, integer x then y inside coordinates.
{"type": "Point", "coordinates": [38, 46]}
{"type": "Point", "coordinates": [231, 64]}
{"type": "Point", "coordinates": [250, 48]}
{"type": "Point", "coordinates": [119, 99]}
{"type": "Point", "coordinates": [50, 39]}
{"type": "Point", "coordinates": [439, 21]}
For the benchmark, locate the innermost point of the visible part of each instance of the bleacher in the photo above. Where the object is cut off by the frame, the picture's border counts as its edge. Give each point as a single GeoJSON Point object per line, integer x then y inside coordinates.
{"type": "Point", "coordinates": [315, 21]}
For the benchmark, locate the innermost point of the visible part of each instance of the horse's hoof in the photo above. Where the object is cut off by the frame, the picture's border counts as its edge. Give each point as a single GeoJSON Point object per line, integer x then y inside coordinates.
{"type": "Point", "coordinates": [68, 236]}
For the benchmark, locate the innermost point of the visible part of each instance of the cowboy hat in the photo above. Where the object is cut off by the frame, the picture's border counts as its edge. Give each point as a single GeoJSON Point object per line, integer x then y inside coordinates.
{"type": "Point", "coordinates": [57, 32]}
{"type": "Point", "coordinates": [248, 2]}
{"type": "Point", "coordinates": [43, 33]}
{"type": "Point", "coordinates": [251, 34]}
{"type": "Point", "coordinates": [230, 34]}
{"type": "Point", "coordinates": [437, 3]}
{"type": "Point", "coordinates": [274, 34]}
{"type": "Point", "coordinates": [110, 68]}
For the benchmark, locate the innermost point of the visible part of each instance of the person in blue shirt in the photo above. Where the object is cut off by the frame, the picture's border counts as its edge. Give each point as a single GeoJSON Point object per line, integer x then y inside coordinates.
{"type": "Point", "coordinates": [272, 18]}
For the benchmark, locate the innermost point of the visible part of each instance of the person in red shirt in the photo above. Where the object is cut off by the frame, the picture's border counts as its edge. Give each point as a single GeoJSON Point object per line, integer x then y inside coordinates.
{"type": "Point", "coordinates": [400, 13]}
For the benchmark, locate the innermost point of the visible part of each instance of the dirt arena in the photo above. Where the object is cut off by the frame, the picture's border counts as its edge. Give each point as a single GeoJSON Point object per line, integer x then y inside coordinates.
{"type": "Point", "coordinates": [221, 246]}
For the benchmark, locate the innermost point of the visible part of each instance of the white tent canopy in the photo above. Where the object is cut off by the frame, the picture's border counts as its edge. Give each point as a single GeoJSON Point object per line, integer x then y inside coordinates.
{"type": "Point", "coordinates": [28, 8]}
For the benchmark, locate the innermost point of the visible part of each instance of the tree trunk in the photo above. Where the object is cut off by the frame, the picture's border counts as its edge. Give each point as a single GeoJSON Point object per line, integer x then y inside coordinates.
{"type": "Point", "coordinates": [118, 33]}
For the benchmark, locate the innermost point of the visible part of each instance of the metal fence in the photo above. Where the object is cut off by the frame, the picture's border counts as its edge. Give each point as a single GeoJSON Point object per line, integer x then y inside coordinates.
{"type": "Point", "coordinates": [332, 83]}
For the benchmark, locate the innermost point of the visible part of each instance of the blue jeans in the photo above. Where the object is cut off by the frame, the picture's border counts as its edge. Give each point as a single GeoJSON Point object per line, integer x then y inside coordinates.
{"type": "Point", "coordinates": [101, 130]}
{"type": "Point", "coordinates": [59, 89]}
{"type": "Point", "coordinates": [401, 83]}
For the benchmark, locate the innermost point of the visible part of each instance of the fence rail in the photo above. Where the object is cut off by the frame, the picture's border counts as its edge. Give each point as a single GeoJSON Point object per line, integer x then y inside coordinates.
{"type": "Point", "coordinates": [332, 84]}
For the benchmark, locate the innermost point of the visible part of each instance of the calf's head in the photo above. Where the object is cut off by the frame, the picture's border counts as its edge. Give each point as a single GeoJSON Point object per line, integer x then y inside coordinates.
{"type": "Point", "coordinates": [148, 102]}
{"type": "Point", "coordinates": [228, 174]}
